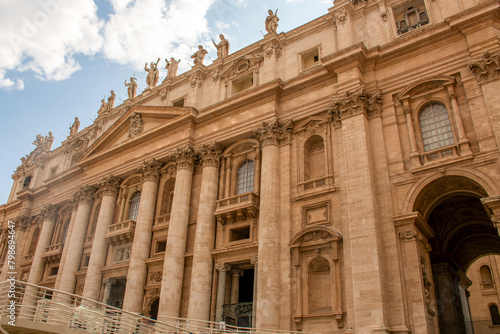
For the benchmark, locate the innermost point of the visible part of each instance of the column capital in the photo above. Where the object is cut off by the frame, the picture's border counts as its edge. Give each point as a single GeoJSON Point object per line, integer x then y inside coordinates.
{"type": "Point", "coordinates": [237, 272]}
{"type": "Point", "coordinates": [254, 261]}
{"type": "Point", "coordinates": [184, 157]}
{"type": "Point", "coordinates": [272, 133]}
{"type": "Point", "coordinates": [109, 281]}
{"type": "Point", "coordinates": [223, 266]}
{"type": "Point", "coordinates": [211, 154]}
{"type": "Point", "coordinates": [84, 195]}
{"type": "Point", "coordinates": [355, 103]}
{"type": "Point", "coordinates": [150, 170]}
{"type": "Point", "coordinates": [110, 185]}
{"type": "Point", "coordinates": [49, 212]}
{"type": "Point", "coordinates": [23, 221]}
{"type": "Point", "coordinates": [414, 235]}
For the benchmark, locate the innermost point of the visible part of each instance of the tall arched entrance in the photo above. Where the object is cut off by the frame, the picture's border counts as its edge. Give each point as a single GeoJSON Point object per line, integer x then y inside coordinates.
{"type": "Point", "coordinates": [449, 228]}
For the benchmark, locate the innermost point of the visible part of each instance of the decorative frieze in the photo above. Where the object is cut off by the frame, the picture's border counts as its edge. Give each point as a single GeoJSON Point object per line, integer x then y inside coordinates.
{"type": "Point", "coordinates": [136, 125]}
{"type": "Point", "coordinates": [49, 212]}
{"type": "Point", "coordinates": [84, 194]}
{"type": "Point", "coordinates": [487, 68]}
{"type": "Point", "coordinates": [110, 185]}
{"type": "Point", "coordinates": [184, 157]}
{"type": "Point", "coordinates": [273, 133]}
{"type": "Point", "coordinates": [150, 170]}
{"type": "Point", "coordinates": [355, 103]}
{"type": "Point", "coordinates": [210, 155]}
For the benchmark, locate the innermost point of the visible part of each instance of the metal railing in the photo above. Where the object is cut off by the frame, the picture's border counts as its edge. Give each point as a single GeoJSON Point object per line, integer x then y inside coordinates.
{"type": "Point", "coordinates": [37, 304]}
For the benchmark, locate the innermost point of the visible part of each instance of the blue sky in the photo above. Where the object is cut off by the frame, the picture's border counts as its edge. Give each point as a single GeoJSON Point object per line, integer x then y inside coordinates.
{"type": "Point", "coordinates": [59, 58]}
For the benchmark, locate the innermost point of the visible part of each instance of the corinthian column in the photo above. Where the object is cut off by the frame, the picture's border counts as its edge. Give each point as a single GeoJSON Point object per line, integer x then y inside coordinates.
{"type": "Point", "coordinates": [74, 243]}
{"type": "Point", "coordinates": [173, 266]}
{"type": "Point", "coordinates": [109, 186]}
{"type": "Point", "coordinates": [137, 269]}
{"type": "Point", "coordinates": [201, 277]}
{"type": "Point", "coordinates": [268, 306]}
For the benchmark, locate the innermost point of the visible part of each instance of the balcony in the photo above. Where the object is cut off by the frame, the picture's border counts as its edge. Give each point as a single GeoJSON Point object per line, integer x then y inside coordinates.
{"type": "Point", "coordinates": [88, 241]}
{"type": "Point", "coordinates": [121, 233]}
{"type": "Point", "coordinates": [440, 154]}
{"type": "Point", "coordinates": [237, 208]}
{"type": "Point", "coordinates": [53, 253]}
{"type": "Point", "coordinates": [162, 220]}
{"type": "Point", "coordinates": [238, 314]}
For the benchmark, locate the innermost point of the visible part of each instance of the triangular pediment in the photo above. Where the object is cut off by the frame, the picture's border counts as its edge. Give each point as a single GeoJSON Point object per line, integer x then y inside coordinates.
{"type": "Point", "coordinates": [134, 124]}
{"type": "Point", "coordinates": [310, 123]}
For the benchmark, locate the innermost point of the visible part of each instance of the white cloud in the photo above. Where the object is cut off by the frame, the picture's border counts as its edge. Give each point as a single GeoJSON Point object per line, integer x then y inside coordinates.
{"type": "Point", "coordinates": [43, 36]}
{"type": "Point", "coordinates": [221, 26]}
{"type": "Point", "coordinates": [139, 32]}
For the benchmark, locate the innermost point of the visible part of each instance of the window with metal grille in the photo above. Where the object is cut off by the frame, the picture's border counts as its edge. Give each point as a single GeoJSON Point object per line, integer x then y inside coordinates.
{"type": "Point", "coordinates": [134, 206]}
{"type": "Point", "coordinates": [435, 127]}
{"type": "Point", "coordinates": [245, 178]}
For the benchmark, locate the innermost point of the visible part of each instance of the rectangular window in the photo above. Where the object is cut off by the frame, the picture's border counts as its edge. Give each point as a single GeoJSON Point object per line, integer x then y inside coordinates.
{"type": "Point", "coordinates": [243, 83]}
{"type": "Point", "coordinates": [310, 59]}
{"type": "Point", "coordinates": [161, 246]}
{"type": "Point", "coordinates": [240, 233]}
{"type": "Point", "coordinates": [53, 271]}
{"type": "Point", "coordinates": [27, 181]}
{"type": "Point", "coordinates": [410, 16]}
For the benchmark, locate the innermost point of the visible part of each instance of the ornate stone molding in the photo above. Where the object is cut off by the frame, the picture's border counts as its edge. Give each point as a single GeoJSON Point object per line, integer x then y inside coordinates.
{"type": "Point", "coordinates": [197, 79]}
{"type": "Point", "coordinates": [49, 212]}
{"type": "Point", "coordinates": [272, 133]}
{"type": "Point", "coordinates": [184, 157]}
{"type": "Point", "coordinates": [414, 235]}
{"type": "Point", "coordinates": [237, 272]}
{"type": "Point", "coordinates": [150, 170]}
{"type": "Point", "coordinates": [487, 68]}
{"type": "Point", "coordinates": [110, 185]}
{"type": "Point", "coordinates": [23, 221]}
{"type": "Point", "coordinates": [136, 125]}
{"type": "Point", "coordinates": [155, 277]}
{"type": "Point", "coordinates": [210, 155]}
{"type": "Point", "coordinates": [355, 103]}
{"type": "Point", "coordinates": [223, 267]}
{"type": "Point", "coordinates": [84, 194]}
{"type": "Point", "coordinates": [254, 261]}
{"type": "Point", "coordinates": [39, 154]}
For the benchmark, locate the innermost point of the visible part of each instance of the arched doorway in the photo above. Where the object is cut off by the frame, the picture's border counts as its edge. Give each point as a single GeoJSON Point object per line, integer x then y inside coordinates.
{"type": "Point", "coordinates": [459, 230]}
{"type": "Point", "coordinates": [153, 312]}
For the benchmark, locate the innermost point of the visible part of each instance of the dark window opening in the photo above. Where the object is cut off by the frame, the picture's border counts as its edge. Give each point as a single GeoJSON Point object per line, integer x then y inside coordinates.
{"type": "Point", "coordinates": [27, 181]}
{"type": "Point", "coordinates": [53, 271]}
{"type": "Point", "coordinates": [86, 261]}
{"type": "Point", "coordinates": [178, 103]}
{"type": "Point", "coordinates": [239, 233]}
{"type": "Point", "coordinates": [161, 246]}
{"type": "Point", "coordinates": [495, 316]}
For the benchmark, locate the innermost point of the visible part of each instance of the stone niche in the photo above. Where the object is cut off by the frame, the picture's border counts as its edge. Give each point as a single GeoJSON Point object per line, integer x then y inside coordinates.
{"type": "Point", "coordinates": [316, 286]}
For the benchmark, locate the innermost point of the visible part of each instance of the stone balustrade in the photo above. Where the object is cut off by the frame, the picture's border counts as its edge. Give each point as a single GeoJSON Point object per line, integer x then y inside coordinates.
{"type": "Point", "coordinates": [121, 233]}
{"type": "Point", "coordinates": [236, 208]}
{"type": "Point", "coordinates": [53, 253]}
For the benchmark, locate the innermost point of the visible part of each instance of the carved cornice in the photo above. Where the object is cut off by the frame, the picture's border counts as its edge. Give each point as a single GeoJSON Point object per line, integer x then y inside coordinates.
{"type": "Point", "coordinates": [352, 104]}
{"type": "Point", "coordinates": [84, 195]}
{"type": "Point", "coordinates": [210, 155]}
{"type": "Point", "coordinates": [487, 68]}
{"type": "Point", "coordinates": [49, 212]}
{"type": "Point", "coordinates": [223, 266]}
{"type": "Point", "coordinates": [110, 185]}
{"type": "Point", "coordinates": [272, 133]}
{"type": "Point", "coordinates": [184, 157]}
{"type": "Point", "coordinates": [150, 170]}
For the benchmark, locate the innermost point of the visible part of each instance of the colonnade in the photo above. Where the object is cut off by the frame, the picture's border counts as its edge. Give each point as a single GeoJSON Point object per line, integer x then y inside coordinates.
{"type": "Point", "coordinates": [267, 277]}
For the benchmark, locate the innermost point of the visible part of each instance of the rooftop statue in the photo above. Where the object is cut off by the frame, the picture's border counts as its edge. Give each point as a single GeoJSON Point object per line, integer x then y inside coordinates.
{"type": "Point", "coordinates": [74, 128]}
{"type": "Point", "coordinates": [103, 108]}
{"type": "Point", "coordinates": [272, 21]}
{"type": "Point", "coordinates": [222, 47]}
{"type": "Point", "coordinates": [111, 101]}
{"type": "Point", "coordinates": [199, 55]}
{"type": "Point", "coordinates": [132, 88]}
{"type": "Point", "coordinates": [171, 67]}
{"type": "Point", "coordinates": [153, 74]}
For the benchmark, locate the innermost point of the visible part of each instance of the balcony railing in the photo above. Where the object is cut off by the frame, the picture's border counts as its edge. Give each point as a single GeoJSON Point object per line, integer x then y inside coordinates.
{"type": "Point", "coordinates": [238, 314]}
{"type": "Point", "coordinates": [163, 219]}
{"type": "Point", "coordinates": [442, 153]}
{"type": "Point", "coordinates": [236, 208]}
{"type": "Point", "coordinates": [121, 233]}
{"type": "Point", "coordinates": [53, 253]}
{"type": "Point", "coordinates": [88, 241]}
{"type": "Point", "coordinates": [319, 182]}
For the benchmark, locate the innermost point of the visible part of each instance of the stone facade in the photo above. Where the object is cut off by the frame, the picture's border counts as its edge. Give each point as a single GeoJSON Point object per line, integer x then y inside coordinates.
{"type": "Point", "coordinates": [339, 178]}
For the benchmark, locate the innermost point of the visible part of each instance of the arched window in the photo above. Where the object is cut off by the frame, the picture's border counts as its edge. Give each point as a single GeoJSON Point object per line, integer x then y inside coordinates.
{"type": "Point", "coordinates": [314, 158]}
{"type": "Point", "coordinates": [435, 127]}
{"type": "Point", "coordinates": [34, 241]}
{"type": "Point", "coordinates": [495, 316]}
{"type": "Point", "coordinates": [167, 197]}
{"type": "Point", "coordinates": [134, 206]}
{"type": "Point", "coordinates": [486, 278]}
{"type": "Point", "coordinates": [245, 178]}
{"type": "Point", "coordinates": [319, 285]}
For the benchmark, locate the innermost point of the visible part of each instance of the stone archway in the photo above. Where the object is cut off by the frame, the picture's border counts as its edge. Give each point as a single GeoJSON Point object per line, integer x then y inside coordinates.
{"type": "Point", "coordinates": [448, 229]}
